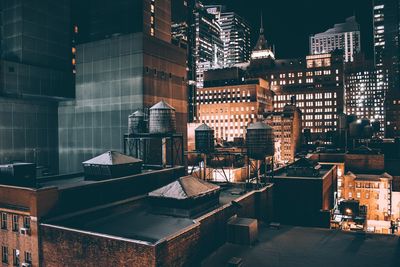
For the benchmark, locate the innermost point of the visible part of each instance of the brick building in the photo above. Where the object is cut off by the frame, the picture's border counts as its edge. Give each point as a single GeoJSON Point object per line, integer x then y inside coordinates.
{"type": "Point", "coordinates": [317, 83]}
{"type": "Point", "coordinates": [304, 193]}
{"type": "Point", "coordinates": [372, 191]}
{"type": "Point", "coordinates": [287, 130]}
{"type": "Point", "coordinates": [229, 108]}
{"type": "Point", "coordinates": [23, 209]}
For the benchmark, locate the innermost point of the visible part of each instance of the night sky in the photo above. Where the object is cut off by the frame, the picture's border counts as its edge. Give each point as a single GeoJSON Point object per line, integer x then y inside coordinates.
{"type": "Point", "coordinates": [288, 23]}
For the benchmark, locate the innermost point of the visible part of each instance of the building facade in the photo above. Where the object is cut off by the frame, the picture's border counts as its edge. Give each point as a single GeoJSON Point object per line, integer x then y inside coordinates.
{"type": "Point", "coordinates": [366, 89]}
{"type": "Point", "coordinates": [387, 50]}
{"type": "Point", "coordinates": [229, 108]}
{"type": "Point", "coordinates": [372, 191]}
{"type": "Point", "coordinates": [316, 82]}
{"type": "Point", "coordinates": [287, 132]}
{"type": "Point", "coordinates": [116, 76]}
{"type": "Point", "coordinates": [344, 36]}
{"type": "Point", "coordinates": [35, 73]}
{"type": "Point", "coordinates": [207, 51]}
{"type": "Point", "coordinates": [236, 38]}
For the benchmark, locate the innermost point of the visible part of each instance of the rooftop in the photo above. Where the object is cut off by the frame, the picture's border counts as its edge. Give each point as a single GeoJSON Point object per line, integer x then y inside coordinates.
{"type": "Point", "coordinates": [312, 247]}
{"type": "Point", "coordinates": [134, 219]}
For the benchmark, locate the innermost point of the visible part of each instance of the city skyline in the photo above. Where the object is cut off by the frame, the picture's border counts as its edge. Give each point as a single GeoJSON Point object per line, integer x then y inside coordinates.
{"type": "Point", "coordinates": [296, 20]}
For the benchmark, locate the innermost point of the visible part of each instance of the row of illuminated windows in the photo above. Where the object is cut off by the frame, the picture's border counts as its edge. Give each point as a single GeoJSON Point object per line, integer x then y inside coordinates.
{"type": "Point", "coordinates": [318, 117]}
{"type": "Point", "coordinates": [319, 123]}
{"type": "Point", "coordinates": [15, 256]}
{"type": "Point", "coordinates": [305, 96]}
{"type": "Point", "coordinates": [232, 109]}
{"type": "Point", "coordinates": [226, 117]}
{"type": "Point", "coordinates": [14, 221]}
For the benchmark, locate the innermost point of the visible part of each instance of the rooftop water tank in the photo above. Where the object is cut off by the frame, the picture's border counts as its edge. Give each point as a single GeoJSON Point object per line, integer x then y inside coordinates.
{"type": "Point", "coordinates": [162, 118]}
{"type": "Point", "coordinates": [356, 129]}
{"type": "Point", "coordinates": [259, 141]}
{"type": "Point", "coordinates": [376, 126]}
{"type": "Point", "coordinates": [204, 138]}
{"type": "Point", "coordinates": [136, 123]}
{"type": "Point", "coordinates": [367, 132]}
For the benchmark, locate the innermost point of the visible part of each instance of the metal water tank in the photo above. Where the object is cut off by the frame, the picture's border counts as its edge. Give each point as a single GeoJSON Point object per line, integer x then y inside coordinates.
{"type": "Point", "coordinates": [367, 132]}
{"type": "Point", "coordinates": [365, 122]}
{"type": "Point", "coordinates": [376, 126]}
{"type": "Point", "coordinates": [136, 123]}
{"type": "Point", "coordinates": [259, 141]}
{"type": "Point", "coordinates": [356, 129]}
{"type": "Point", "coordinates": [204, 138]}
{"type": "Point", "coordinates": [350, 119]}
{"type": "Point", "coordinates": [162, 118]}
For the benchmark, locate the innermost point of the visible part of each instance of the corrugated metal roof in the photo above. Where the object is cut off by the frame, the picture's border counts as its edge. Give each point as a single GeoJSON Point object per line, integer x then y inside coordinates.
{"type": "Point", "coordinates": [184, 188]}
{"type": "Point", "coordinates": [112, 158]}
{"type": "Point", "coordinates": [204, 127]}
{"type": "Point", "coordinates": [162, 105]}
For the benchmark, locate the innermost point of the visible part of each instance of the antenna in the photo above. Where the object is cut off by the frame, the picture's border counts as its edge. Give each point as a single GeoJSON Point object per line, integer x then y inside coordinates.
{"type": "Point", "coordinates": [261, 24]}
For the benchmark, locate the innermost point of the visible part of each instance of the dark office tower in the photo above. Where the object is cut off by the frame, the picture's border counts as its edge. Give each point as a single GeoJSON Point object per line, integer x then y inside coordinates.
{"type": "Point", "coordinates": [117, 75]}
{"type": "Point", "coordinates": [181, 19]}
{"type": "Point", "coordinates": [35, 72]}
{"type": "Point", "coordinates": [207, 49]}
{"type": "Point", "coordinates": [36, 48]}
{"type": "Point", "coordinates": [100, 19]}
{"type": "Point", "coordinates": [387, 57]}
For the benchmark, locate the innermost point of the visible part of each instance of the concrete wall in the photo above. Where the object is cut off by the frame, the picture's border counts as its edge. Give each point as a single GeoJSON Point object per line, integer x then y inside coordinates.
{"type": "Point", "coordinates": [115, 77]}
{"type": "Point", "coordinates": [28, 132]}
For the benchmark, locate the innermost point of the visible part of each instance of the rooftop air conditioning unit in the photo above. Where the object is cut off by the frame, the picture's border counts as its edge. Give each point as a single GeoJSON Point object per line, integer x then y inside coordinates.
{"type": "Point", "coordinates": [25, 231]}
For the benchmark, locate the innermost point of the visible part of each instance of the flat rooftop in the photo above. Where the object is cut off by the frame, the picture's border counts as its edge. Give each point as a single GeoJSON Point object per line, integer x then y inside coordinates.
{"type": "Point", "coordinates": [134, 219]}
{"type": "Point", "coordinates": [76, 180]}
{"type": "Point", "coordinates": [325, 168]}
{"type": "Point", "coordinates": [311, 247]}
{"type": "Point", "coordinates": [131, 220]}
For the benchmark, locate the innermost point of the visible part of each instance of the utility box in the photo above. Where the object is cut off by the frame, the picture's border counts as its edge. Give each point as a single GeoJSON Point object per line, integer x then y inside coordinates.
{"type": "Point", "coordinates": [242, 231]}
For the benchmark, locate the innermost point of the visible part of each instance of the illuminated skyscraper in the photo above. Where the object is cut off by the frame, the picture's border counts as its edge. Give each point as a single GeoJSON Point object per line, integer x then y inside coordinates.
{"type": "Point", "coordinates": [207, 51]}
{"type": "Point", "coordinates": [235, 36]}
{"type": "Point", "coordinates": [343, 36]}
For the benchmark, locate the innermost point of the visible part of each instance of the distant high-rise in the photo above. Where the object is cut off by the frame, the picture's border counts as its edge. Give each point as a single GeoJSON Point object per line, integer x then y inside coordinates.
{"type": "Point", "coordinates": [235, 36]}
{"type": "Point", "coordinates": [365, 88]}
{"type": "Point", "coordinates": [344, 36]}
{"type": "Point", "coordinates": [387, 58]}
{"type": "Point", "coordinates": [262, 50]}
{"type": "Point", "coordinates": [207, 49]}
{"type": "Point", "coordinates": [379, 31]}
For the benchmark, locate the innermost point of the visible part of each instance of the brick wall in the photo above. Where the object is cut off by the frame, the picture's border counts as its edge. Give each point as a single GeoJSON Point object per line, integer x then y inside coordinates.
{"type": "Point", "coordinates": [70, 248]}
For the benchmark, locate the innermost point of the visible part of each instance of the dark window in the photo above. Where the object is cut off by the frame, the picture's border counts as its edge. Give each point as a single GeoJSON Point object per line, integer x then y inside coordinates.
{"type": "Point", "coordinates": [15, 226]}
{"type": "Point", "coordinates": [27, 222]}
{"type": "Point", "coordinates": [4, 221]}
{"type": "Point", "coordinates": [4, 254]}
{"type": "Point", "coordinates": [15, 257]}
{"type": "Point", "coordinates": [11, 69]}
{"type": "Point", "coordinates": [28, 257]}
